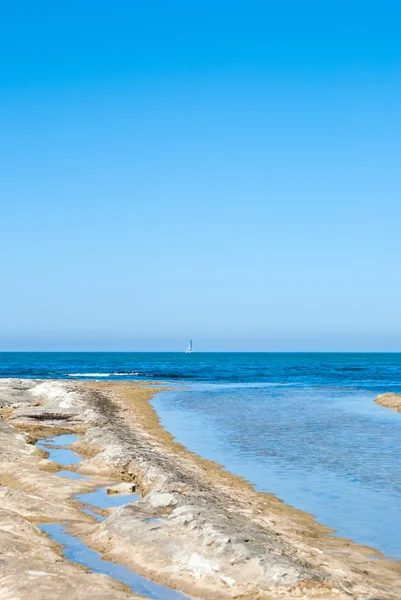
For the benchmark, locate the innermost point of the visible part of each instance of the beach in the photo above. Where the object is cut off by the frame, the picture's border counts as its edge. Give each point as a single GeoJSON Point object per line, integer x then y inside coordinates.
{"type": "Point", "coordinates": [194, 527]}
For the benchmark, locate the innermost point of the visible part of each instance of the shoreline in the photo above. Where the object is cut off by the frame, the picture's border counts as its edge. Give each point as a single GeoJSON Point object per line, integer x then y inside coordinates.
{"type": "Point", "coordinates": [216, 535]}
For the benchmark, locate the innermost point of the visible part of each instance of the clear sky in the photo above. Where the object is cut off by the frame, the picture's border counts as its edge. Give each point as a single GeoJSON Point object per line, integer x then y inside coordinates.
{"type": "Point", "coordinates": [226, 171]}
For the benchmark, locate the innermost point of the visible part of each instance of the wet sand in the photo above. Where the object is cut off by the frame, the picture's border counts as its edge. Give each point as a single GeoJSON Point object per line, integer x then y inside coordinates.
{"type": "Point", "coordinates": [196, 528]}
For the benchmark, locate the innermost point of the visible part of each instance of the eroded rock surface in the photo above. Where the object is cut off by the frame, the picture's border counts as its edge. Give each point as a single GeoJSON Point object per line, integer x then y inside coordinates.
{"type": "Point", "coordinates": [31, 565]}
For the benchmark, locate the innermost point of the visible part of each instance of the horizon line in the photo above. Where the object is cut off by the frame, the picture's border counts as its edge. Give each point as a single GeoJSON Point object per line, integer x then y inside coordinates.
{"type": "Point", "coordinates": [200, 352]}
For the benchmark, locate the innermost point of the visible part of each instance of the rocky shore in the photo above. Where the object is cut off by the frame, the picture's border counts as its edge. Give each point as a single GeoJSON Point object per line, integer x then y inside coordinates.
{"type": "Point", "coordinates": [390, 400]}
{"type": "Point", "coordinates": [196, 527]}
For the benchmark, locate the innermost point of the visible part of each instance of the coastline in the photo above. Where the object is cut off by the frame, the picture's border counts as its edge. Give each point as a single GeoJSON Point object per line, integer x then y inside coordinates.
{"type": "Point", "coordinates": [216, 534]}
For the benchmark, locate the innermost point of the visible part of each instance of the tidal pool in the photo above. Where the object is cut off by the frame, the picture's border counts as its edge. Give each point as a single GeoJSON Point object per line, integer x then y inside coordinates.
{"type": "Point", "coordinates": [76, 551]}
{"type": "Point", "coordinates": [63, 456]}
{"type": "Point", "coordinates": [71, 474]}
{"type": "Point", "coordinates": [64, 439]}
{"type": "Point", "coordinates": [92, 513]}
{"type": "Point", "coordinates": [101, 499]}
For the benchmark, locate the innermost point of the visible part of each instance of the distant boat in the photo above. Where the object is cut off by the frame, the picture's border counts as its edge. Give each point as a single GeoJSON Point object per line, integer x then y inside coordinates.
{"type": "Point", "coordinates": [189, 349]}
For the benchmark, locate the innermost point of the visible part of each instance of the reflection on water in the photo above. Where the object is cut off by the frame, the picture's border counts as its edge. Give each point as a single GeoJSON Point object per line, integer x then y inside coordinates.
{"type": "Point", "coordinates": [328, 450]}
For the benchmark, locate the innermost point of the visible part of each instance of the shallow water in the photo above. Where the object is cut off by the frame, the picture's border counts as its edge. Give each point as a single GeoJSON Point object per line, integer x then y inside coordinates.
{"type": "Point", "coordinates": [332, 452]}
{"type": "Point", "coordinates": [152, 520]}
{"type": "Point", "coordinates": [62, 456]}
{"type": "Point", "coordinates": [76, 551]}
{"type": "Point", "coordinates": [101, 499]}
{"type": "Point", "coordinates": [92, 513]}
{"type": "Point", "coordinates": [71, 474]}
{"type": "Point", "coordinates": [64, 439]}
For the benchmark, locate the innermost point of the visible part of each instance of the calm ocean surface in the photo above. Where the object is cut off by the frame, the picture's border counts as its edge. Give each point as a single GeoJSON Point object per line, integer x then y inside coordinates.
{"type": "Point", "coordinates": [303, 426]}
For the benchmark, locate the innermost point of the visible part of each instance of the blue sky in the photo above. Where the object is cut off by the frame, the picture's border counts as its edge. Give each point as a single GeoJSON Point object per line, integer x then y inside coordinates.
{"type": "Point", "coordinates": [226, 171]}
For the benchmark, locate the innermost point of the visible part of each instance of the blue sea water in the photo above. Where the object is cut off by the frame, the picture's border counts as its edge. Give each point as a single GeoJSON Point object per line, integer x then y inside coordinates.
{"type": "Point", "coordinates": [373, 372]}
{"type": "Point", "coordinates": [303, 426]}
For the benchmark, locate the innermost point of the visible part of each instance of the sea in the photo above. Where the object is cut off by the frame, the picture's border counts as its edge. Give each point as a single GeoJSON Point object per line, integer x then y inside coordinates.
{"type": "Point", "coordinates": [303, 426]}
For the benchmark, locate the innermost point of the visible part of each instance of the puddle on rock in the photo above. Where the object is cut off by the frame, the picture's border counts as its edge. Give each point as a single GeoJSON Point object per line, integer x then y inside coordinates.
{"type": "Point", "coordinates": [92, 513]}
{"type": "Point", "coordinates": [63, 456]}
{"type": "Point", "coordinates": [76, 551]}
{"type": "Point", "coordinates": [102, 499]}
{"type": "Point", "coordinates": [65, 439]}
{"type": "Point", "coordinates": [71, 474]}
{"type": "Point", "coordinates": [152, 520]}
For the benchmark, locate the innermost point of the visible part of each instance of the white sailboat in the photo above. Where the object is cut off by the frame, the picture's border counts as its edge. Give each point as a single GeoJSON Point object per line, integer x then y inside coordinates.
{"type": "Point", "coordinates": [189, 349]}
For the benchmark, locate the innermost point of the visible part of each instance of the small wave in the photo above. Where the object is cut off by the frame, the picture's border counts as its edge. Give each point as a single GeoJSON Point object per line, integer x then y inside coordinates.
{"type": "Point", "coordinates": [89, 374]}
{"type": "Point", "coordinates": [152, 375]}
{"type": "Point", "coordinates": [115, 374]}
{"type": "Point", "coordinates": [124, 373]}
